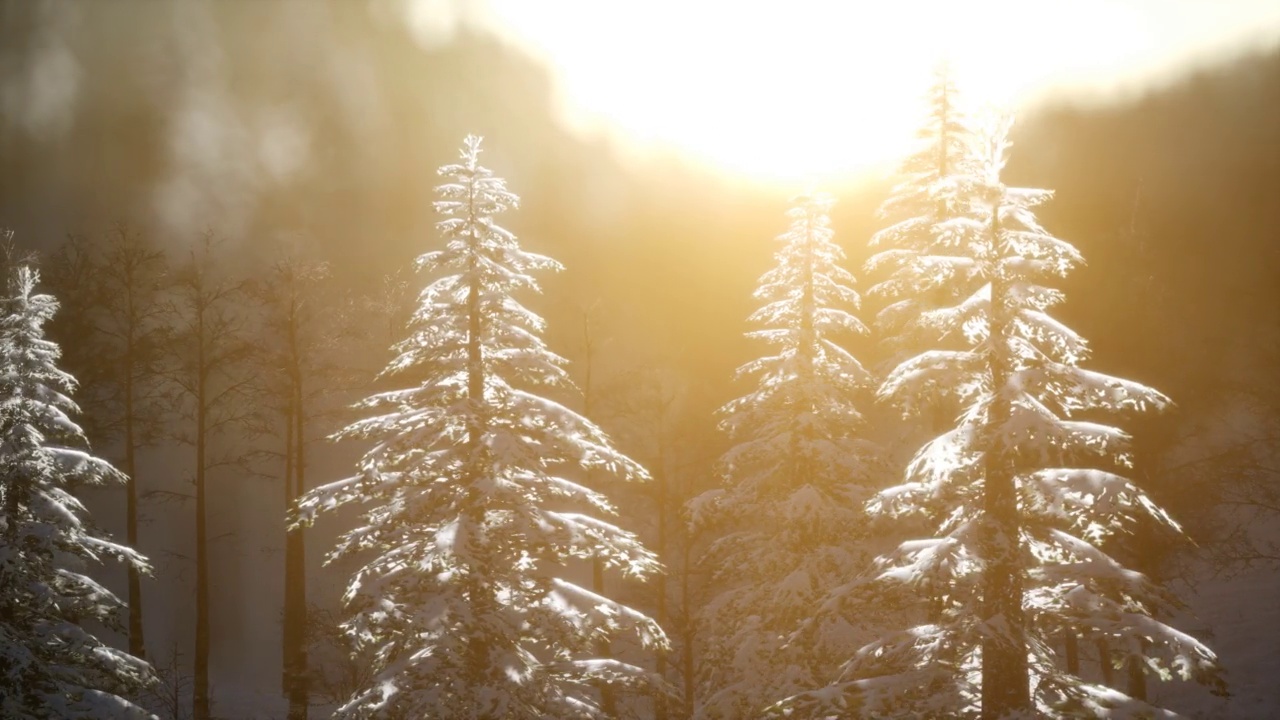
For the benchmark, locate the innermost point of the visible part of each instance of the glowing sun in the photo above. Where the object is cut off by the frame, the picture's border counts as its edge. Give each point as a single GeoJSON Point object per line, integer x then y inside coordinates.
{"type": "Point", "coordinates": [821, 89]}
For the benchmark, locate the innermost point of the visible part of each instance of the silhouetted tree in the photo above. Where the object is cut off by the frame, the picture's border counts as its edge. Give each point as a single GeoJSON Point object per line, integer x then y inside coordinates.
{"type": "Point", "coordinates": [116, 285]}
{"type": "Point", "coordinates": [207, 367]}
{"type": "Point", "coordinates": [649, 412]}
{"type": "Point", "coordinates": [304, 320]}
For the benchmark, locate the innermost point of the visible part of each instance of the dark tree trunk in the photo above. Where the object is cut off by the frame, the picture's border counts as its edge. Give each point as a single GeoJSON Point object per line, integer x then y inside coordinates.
{"type": "Point", "coordinates": [127, 279]}
{"type": "Point", "coordinates": [200, 681]}
{"type": "Point", "coordinates": [1005, 676]}
{"type": "Point", "coordinates": [690, 629]}
{"type": "Point", "coordinates": [288, 635]}
{"type": "Point", "coordinates": [295, 558]}
{"type": "Point", "coordinates": [1143, 550]}
{"type": "Point", "coordinates": [483, 603]}
{"type": "Point", "coordinates": [295, 598]}
{"type": "Point", "coordinates": [137, 642]}
{"type": "Point", "coordinates": [1073, 653]}
{"type": "Point", "coordinates": [210, 338]}
{"type": "Point", "coordinates": [1137, 678]}
{"type": "Point", "coordinates": [1104, 662]}
{"type": "Point", "coordinates": [660, 702]}
{"type": "Point", "coordinates": [608, 700]}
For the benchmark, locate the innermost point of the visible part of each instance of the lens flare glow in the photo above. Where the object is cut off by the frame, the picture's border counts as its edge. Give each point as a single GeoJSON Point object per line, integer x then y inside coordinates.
{"type": "Point", "coordinates": [816, 90]}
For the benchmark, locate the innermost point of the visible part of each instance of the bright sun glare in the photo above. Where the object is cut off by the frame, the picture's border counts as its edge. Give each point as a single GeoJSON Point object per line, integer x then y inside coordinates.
{"type": "Point", "coordinates": [819, 90]}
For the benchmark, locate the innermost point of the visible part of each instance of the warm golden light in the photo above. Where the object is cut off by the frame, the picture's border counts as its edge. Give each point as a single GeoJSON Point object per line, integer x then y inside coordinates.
{"type": "Point", "coordinates": [814, 89]}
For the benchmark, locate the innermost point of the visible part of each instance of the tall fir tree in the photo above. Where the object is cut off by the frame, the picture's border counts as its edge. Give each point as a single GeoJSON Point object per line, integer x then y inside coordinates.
{"type": "Point", "coordinates": [918, 264]}
{"type": "Point", "coordinates": [790, 513]}
{"type": "Point", "coordinates": [1024, 490]}
{"type": "Point", "coordinates": [463, 609]}
{"type": "Point", "coordinates": [51, 666]}
{"type": "Point", "coordinates": [918, 212]}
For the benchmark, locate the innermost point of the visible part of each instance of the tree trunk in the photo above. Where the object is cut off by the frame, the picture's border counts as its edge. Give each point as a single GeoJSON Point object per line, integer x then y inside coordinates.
{"type": "Point", "coordinates": [288, 638]}
{"type": "Point", "coordinates": [1073, 653]}
{"type": "Point", "coordinates": [296, 559]}
{"type": "Point", "coordinates": [608, 700]}
{"type": "Point", "coordinates": [1005, 676]}
{"type": "Point", "coordinates": [690, 629]}
{"type": "Point", "coordinates": [137, 643]}
{"type": "Point", "coordinates": [483, 602]}
{"type": "Point", "coordinates": [200, 683]}
{"type": "Point", "coordinates": [941, 418]}
{"type": "Point", "coordinates": [15, 499]}
{"type": "Point", "coordinates": [1144, 549]}
{"type": "Point", "coordinates": [1104, 662]}
{"type": "Point", "coordinates": [660, 701]}
{"type": "Point", "coordinates": [1137, 678]}
{"type": "Point", "coordinates": [295, 553]}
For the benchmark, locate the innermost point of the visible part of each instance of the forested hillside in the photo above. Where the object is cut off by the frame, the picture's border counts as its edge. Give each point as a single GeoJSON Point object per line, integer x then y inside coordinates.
{"type": "Point", "coordinates": [1171, 196]}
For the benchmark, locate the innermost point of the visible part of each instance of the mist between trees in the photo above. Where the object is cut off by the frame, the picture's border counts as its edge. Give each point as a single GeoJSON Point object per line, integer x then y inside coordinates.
{"type": "Point", "coordinates": [923, 502]}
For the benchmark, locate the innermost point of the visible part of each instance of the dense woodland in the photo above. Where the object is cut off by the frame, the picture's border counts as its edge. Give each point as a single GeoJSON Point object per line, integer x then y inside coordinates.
{"type": "Point", "coordinates": [275, 356]}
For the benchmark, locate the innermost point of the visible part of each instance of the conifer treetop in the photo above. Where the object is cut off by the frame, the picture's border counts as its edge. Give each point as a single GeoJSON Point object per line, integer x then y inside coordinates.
{"type": "Point", "coordinates": [920, 262]}
{"type": "Point", "coordinates": [473, 499]}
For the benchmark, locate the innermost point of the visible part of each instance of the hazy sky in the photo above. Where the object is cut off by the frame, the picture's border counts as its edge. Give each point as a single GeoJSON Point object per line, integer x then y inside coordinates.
{"type": "Point", "coordinates": [810, 88]}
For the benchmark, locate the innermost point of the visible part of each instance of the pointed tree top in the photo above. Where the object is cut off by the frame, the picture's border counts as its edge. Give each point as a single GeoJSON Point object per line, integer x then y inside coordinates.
{"type": "Point", "coordinates": [31, 307]}
{"type": "Point", "coordinates": [471, 149]}
{"type": "Point", "coordinates": [24, 281]}
{"type": "Point", "coordinates": [993, 145]}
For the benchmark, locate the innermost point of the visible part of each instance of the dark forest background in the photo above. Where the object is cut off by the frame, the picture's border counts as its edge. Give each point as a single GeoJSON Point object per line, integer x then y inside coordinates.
{"type": "Point", "coordinates": [314, 129]}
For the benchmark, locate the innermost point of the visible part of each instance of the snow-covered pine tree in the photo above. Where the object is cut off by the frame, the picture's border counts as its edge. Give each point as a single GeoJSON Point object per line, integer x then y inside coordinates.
{"type": "Point", "coordinates": [1023, 491]}
{"type": "Point", "coordinates": [918, 211]}
{"type": "Point", "coordinates": [464, 609]}
{"type": "Point", "coordinates": [50, 665]}
{"type": "Point", "coordinates": [790, 512]}
{"type": "Point", "coordinates": [919, 262]}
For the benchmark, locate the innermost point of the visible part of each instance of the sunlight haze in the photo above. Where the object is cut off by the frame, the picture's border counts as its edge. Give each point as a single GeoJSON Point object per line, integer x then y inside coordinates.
{"type": "Point", "coordinates": [812, 90]}
{"type": "Point", "coordinates": [664, 360]}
